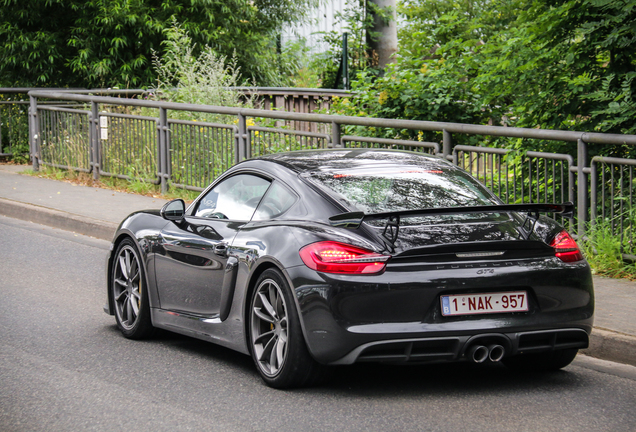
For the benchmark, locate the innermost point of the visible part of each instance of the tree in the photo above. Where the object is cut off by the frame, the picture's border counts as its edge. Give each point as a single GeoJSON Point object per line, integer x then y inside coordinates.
{"type": "Point", "coordinates": [382, 38]}
{"type": "Point", "coordinates": [557, 64]}
{"type": "Point", "coordinates": [104, 43]}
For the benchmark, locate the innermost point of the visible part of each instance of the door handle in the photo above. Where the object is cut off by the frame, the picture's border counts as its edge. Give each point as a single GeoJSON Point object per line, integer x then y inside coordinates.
{"type": "Point", "coordinates": [220, 249]}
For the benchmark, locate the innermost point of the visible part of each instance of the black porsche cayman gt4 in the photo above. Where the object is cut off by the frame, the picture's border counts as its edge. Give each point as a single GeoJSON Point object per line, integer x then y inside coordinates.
{"type": "Point", "coordinates": [308, 260]}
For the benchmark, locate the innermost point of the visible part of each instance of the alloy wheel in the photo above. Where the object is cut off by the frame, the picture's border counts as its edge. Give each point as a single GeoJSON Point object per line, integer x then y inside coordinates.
{"type": "Point", "coordinates": [127, 285]}
{"type": "Point", "coordinates": [269, 327]}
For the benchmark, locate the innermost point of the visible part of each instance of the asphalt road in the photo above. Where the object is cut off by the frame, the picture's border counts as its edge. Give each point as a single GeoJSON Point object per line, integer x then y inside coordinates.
{"type": "Point", "coordinates": [64, 367]}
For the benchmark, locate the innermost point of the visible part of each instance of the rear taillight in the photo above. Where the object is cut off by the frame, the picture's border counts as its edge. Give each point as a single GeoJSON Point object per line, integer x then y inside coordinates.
{"type": "Point", "coordinates": [565, 248]}
{"type": "Point", "coordinates": [335, 257]}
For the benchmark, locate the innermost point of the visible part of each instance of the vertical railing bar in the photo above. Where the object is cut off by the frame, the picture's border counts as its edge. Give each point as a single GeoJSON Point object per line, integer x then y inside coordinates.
{"type": "Point", "coordinates": [530, 179]}
{"type": "Point", "coordinates": [545, 179]}
{"type": "Point", "coordinates": [632, 213]}
{"type": "Point", "coordinates": [593, 192]}
{"type": "Point", "coordinates": [603, 189]}
{"type": "Point", "coordinates": [163, 149]}
{"type": "Point", "coordinates": [499, 173]}
{"type": "Point", "coordinates": [58, 141]}
{"type": "Point", "coordinates": [621, 204]}
{"type": "Point", "coordinates": [562, 182]}
{"type": "Point", "coordinates": [581, 202]}
{"type": "Point", "coordinates": [33, 132]}
{"type": "Point", "coordinates": [95, 142]}
{"type": "Point", "coordinates": [507, 162]}
{"type": "Point", "coordinates": [478, 156]}
{"type": "Point", "coordinates": [612, 196]}
{"type": "Point", "coordinates": [514, 182]}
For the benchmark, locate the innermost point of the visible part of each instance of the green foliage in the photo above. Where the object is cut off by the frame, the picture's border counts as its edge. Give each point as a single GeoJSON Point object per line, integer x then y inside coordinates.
{"type": "Point", "coordinates": [204, 79]}
{"type": "Point", "coordinates": [528, 63]}
{"type": "Point", "coordinates": [603, 248]}
{"type": "Point", "coordinates": [15, 127]}
{"type": "Point", "coordinates": [296, 66]}
{"type": "Point", "coordinates": [98, 43]}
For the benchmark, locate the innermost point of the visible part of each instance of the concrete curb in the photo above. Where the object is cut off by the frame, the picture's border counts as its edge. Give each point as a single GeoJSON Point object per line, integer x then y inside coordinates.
{"type": "Point", "coordinates": [58, 219]}
{"type": "Point", "coordinates": [609, 345]}
{"type": "Point", "coordinates": [604, 344]}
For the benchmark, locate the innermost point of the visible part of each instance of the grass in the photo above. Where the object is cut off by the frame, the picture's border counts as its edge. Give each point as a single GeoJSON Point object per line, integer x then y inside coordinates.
{"type": "Point", "coordinates": [602, 249]}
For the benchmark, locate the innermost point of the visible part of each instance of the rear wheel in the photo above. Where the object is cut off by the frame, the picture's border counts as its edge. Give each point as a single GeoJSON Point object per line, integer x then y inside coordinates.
{"type": "Point", "coordinates": [130, 296]}
{"type": "Point", "coordinates": [541, 362]}
{"type": "Point", "coordinates": [276, 340]}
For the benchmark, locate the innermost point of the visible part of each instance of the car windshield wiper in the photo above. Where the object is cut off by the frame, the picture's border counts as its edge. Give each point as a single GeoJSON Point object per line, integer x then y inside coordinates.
{"type": "Point", "coordinates": [392, 224]}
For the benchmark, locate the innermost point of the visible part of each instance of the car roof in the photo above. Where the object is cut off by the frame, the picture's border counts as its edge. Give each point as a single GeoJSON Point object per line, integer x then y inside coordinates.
{"type": "Point", "coordinates": [352, 159]}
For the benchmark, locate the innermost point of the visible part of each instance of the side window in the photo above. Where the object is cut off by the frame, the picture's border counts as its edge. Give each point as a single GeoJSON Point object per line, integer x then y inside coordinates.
{"type": "Point", "coordinates": [276, 202]}
{"type": "Point", "coordinates": [234, 198]}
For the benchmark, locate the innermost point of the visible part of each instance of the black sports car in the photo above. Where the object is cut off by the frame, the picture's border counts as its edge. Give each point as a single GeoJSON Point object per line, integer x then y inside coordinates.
{"type": "Point", "coordinates": [310, 259]}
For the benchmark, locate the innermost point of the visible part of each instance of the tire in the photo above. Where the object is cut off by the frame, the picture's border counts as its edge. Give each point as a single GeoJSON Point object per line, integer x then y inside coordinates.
{"type": "Point", "coordinates": [130, 295]}
{"type": "Point", "coordinates": [276, 340]}
{"type": "Point", "coordinates": [541, 362]}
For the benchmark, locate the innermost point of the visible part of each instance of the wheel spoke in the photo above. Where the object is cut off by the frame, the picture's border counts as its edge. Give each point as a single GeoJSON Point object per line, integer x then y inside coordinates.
{"type": "Point", "coordinates": [273, 365]}
{"type": "Point", "coordinates": [129, 312]}
{"type": "Point", "coordinates": [122, 266]}
{"type": "Point", "coordinates": [273, 298]}
{"type": "Point", "coordinates": [259, 313]}
{"type": "Point", "coordinates": [268, 348]}
{"type": "Point", "coordinates": [124, 309]}
{"type": "Point", "coordinates": [123, 293]}
{"type": "Point", "coordinates": [280, 352]}
{"type": "Point", "coordinates": [280, 307]}
{"type": "Point", "coordinates": [135, 293]}
{"type": "Point", "coordinates": [127, 254]}
{"type": "Point", "coordinates": [135, 277]}
{"type": "Point", "coordinates": [264, 338]}
{"type": "Point", "coordinates": [135, 305]}
{"type": "Point", "coordinates": [120, 282]}
{"type": "Point", "coordinates": [267, 305]}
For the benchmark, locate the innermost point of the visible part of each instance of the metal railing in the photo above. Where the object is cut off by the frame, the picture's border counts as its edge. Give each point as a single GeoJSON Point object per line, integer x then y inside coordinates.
{"type": "Point", "coordinates": [169, 151]}
{"type": "Point", "coordinates": [14, 105]}
{"type": "Point", "coordinates": [531, 177]}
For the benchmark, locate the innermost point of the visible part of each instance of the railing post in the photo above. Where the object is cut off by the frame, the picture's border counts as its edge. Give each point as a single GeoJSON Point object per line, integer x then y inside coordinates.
{"type": "Point", "coordinates": [164, 169]}
{"type": "Point", "coordinates": [593, 192]}
{"type": "Point", "coordinates": [28, 120]}
{"type": "Point", "coordinates": [94, 139]}
{"type": "Point", "coordinates": [581, 162]}
{"type": "Point", "coordinates": [241, 142]}
{"type": "Point", "coordinates": [335, 135]}
{"type": "Point", "coordinates": [447, 144]}
{"type": "Point", "coordinates": [34, 132]}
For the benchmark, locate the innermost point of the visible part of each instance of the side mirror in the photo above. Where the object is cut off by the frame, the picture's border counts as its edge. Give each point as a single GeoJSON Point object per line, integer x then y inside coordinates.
{"type": "Point", "coordinates": [173, 210]}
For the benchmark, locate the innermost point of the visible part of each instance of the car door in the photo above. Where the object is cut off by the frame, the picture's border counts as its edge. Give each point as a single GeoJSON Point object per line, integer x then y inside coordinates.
{"type": "Point", "coordinates": [190, 269]}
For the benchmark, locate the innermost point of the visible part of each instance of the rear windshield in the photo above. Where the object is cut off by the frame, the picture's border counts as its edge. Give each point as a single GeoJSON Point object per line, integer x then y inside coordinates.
{"type": "Point", "coordinates": [404, 188]}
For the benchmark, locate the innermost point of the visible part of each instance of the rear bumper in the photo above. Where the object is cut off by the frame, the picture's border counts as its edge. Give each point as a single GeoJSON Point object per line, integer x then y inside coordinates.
{"type": "Point", "coordinates": [429, 350]}
{"type": "Point", "coordinates": [397, 316]}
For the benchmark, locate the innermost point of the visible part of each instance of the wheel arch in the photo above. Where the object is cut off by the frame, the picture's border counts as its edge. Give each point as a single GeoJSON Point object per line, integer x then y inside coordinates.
{"type": "Point", "coordinates": [251, 286]}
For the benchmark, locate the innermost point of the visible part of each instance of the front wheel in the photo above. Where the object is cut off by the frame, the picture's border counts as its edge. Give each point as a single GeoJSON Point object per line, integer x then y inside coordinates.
{"type": "Point", "coordinates": [541, 362]}
{"type": "Point", "coordinates": [276, 341]}
{"type": "Point", "coordinates": [130, 296]}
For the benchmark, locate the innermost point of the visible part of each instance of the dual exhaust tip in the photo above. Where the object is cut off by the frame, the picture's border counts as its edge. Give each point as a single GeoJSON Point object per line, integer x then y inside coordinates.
{"type": "Point", "coordinates": [481, 353]}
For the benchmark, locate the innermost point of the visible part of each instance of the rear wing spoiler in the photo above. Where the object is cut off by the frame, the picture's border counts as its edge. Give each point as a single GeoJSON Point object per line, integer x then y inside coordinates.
{"type": "Point", "coordinates": [391, 229]}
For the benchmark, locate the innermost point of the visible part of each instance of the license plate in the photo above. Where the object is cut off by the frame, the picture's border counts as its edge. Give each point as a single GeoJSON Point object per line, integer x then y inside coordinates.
{"type": "Point", "coordinates": [471, 304]}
